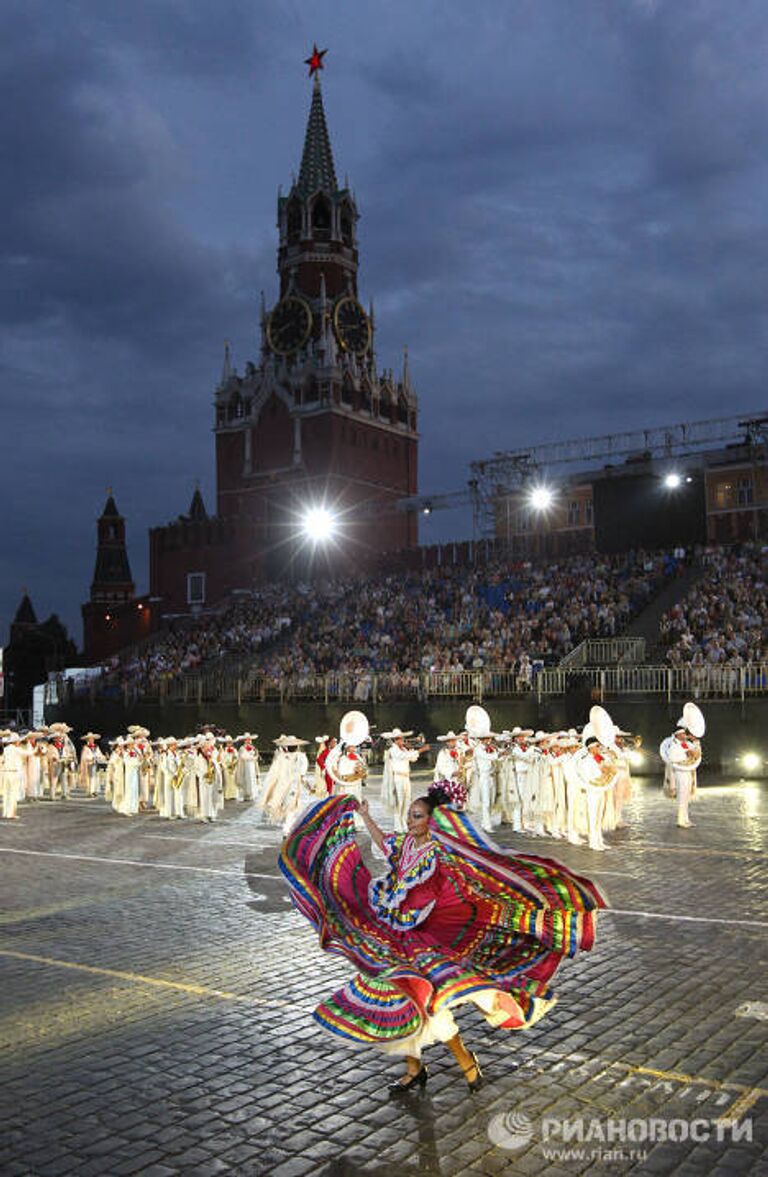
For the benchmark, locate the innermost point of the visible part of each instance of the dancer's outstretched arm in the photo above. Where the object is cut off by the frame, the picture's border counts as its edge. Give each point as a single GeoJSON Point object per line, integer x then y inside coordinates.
{"type": "Point", "coordinates": [377, 835]}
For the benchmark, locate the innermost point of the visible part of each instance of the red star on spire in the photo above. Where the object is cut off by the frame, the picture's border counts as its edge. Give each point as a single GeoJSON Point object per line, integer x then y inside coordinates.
{"type": "Point", "coordinates": [315, 62]}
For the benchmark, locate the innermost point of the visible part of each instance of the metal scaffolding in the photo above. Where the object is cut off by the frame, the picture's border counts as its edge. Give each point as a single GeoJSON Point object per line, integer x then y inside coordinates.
{"type": "Point", "coordinates": [507, 471]}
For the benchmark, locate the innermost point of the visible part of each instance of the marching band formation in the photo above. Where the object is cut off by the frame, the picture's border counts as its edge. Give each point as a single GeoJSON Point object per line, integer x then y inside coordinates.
{"type": "Point", "coordinates": [570, 785]}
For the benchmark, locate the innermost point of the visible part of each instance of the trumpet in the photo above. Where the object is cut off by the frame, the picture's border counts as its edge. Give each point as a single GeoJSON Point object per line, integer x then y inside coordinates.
{"type": "Point", "coordinates": [631, 741]}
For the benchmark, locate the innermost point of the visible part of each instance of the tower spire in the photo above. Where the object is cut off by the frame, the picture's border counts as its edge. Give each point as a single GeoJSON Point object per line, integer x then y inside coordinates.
{"type": "Point", "coordinates": [226, 369]}
{"type": "Point", "coordinates": [317, 167]}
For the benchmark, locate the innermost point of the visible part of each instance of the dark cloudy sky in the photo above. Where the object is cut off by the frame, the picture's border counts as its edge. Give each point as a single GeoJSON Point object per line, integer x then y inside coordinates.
{"type": "Point", "coordinates": [563, 213]}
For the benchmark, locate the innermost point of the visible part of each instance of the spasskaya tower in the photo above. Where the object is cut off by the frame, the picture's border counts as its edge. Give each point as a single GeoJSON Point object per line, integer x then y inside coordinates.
{"type": "Point", "coordinates": [314, 423]}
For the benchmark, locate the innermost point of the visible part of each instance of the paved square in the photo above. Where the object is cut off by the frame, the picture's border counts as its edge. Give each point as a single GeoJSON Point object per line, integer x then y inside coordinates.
{"type": "Point", "coordinates": [156, 990]}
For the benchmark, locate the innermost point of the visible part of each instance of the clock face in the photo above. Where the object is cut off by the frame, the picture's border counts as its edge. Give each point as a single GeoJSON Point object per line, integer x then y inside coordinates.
{"type": "Point", "coordinates": [289, 325]}
{"type": "Point", "coordinates": [351, 325]}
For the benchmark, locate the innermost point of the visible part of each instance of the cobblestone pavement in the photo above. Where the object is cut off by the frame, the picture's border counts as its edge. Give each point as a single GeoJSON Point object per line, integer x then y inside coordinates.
{"type": "Point", "coordinates": [157, 985]}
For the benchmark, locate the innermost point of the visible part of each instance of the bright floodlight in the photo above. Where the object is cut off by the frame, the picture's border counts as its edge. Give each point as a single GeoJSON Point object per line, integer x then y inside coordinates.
{"type": "Point", "coordinates": [636, 759]}
{"type": "Point", "coordinates": [672, 481]}
{"type": "Point", "coordinates": [751, 761]}
{"type": "Point", "coordinates": [541, 498]}
{"type": "Point", "coordinates": [319, 524]}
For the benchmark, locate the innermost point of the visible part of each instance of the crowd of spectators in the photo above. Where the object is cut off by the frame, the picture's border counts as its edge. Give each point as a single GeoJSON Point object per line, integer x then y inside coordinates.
{"type": "Point", "coordinates": [511, 616]}
{"type": "Point", "coordinates": [720, 626]}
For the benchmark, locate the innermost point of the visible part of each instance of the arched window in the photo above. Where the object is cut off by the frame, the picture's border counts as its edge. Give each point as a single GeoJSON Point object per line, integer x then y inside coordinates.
{"type": "Point", "coordinates": [311, 391]}
{"type": "Point", "coordinates": [347, 392]}
{"type": "Point", "coordinates": [402, 411]}
{"type": "Point", "coordinates": [294, 222]}
{"type": "Point", "coordinates": [321, 219]}
{"type": "Point", "coordinates": [385, 397]}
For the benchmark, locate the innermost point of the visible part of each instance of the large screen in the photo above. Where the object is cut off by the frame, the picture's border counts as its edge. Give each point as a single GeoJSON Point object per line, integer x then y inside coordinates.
{"type": "Point", "coordinates": [639, 511]}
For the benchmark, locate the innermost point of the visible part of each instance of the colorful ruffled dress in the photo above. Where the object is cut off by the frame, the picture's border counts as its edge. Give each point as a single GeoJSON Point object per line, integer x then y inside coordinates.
{"type": "Point", "coordinates": [458, 919]}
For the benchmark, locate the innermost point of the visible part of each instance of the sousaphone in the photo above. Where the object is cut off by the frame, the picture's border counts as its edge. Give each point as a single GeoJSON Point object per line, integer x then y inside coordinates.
{"type": "Point", "coordinates": [354, 728]}
{"type": "Point", "coordinates": [477, 721]}
{"type": "Point", "coordinates": [693, 720]}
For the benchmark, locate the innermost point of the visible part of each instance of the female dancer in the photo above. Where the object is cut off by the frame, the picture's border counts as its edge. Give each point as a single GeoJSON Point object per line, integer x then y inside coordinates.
{"type": "Point", "coordinates": [455, 919]}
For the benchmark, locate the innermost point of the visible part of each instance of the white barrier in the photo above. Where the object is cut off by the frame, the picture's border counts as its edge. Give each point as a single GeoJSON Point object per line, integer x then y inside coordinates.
{"type": "Point", "coordinates": [690, 682]}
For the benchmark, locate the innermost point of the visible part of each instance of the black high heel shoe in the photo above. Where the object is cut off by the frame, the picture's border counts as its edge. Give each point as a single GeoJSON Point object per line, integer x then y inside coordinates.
{"type": "Point", "coordinates": [417, 1080]}
{"type": "Point", "coordinates": [478, 1082]}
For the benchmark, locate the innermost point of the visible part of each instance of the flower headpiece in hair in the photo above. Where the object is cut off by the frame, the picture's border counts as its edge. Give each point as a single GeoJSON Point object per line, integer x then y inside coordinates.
{"type": "Point", "coordinates": [448, 792]}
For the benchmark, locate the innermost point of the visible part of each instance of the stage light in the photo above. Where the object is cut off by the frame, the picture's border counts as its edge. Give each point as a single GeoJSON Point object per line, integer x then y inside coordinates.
{"type": "Point", "coordinates": [751, 761]}
{"type": "Point", "coordinates": [672, 481]}
{"type": "Point", "coordinates": [636, 759]}
{"type": "Point", "coordinates": [319, 524]}
{"type": "Point", "coordinates": [541, 498]}
{"type": "Point", "coordinates": [426, 509]}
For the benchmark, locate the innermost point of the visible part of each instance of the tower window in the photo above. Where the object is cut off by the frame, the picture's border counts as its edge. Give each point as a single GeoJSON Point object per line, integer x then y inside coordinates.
{"type": "Point", "coordinates": [195, 588]}
{"type": "Point", "coordinates": [293, 225]}
{"type": "Point", "coordinates": [321, 219]}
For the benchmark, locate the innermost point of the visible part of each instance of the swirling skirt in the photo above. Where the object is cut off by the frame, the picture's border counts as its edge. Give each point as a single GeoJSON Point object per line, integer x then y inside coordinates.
{"type": "Point", "coordinates": [513, 921]}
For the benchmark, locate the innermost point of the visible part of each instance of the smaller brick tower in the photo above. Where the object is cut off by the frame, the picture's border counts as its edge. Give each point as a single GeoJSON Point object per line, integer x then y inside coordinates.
{"type": "Point", "coordinates": [114, 617]}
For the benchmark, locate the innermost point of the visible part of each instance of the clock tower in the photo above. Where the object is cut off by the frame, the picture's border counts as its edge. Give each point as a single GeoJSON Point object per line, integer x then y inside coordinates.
{"type": "Point", "coordinates": [314, 423]}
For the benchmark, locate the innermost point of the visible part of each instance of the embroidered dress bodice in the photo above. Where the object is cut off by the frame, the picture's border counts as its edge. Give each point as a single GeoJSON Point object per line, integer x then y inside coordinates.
{"type": "Point", "coordinates": [410, 866]}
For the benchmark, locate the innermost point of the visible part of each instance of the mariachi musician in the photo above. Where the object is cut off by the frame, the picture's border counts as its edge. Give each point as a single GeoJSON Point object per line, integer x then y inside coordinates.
{"type": "Point", "coordinates": [448, 765]}
{"type": "Point", "coordinates": [597, 766]}
{"type": "Point", "coordinates": [344, 763]}
{"type": "Point", "coordinates": [323, 779]}
{"type": "Point", "coordinates": [248, 778]}
{"type": "Point", "coordinates": [484, 756]}
{"type": "Point", "coordinates": [400, 760]}
{"type": "Point", "coordinates": [681, 753]}
{"type": "Point", "coordinates": [509, 798]}
{"type": "Point", "coordinates": [91, 757]}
